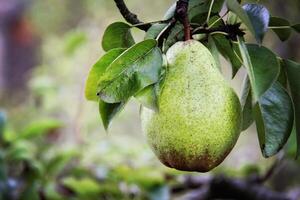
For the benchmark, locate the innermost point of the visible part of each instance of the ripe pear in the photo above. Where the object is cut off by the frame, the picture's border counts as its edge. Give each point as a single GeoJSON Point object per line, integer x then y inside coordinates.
{"type": "Point", "coordinates": [199, 117]}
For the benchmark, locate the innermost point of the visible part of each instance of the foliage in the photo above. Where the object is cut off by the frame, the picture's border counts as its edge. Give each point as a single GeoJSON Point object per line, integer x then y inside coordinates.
{"type": "Point", "coordinates": [267, 102]}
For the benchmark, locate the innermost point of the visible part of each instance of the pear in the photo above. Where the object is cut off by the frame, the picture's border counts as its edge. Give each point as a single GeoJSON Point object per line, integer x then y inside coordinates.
{"type": "Point", "coordinates": [199, 117]}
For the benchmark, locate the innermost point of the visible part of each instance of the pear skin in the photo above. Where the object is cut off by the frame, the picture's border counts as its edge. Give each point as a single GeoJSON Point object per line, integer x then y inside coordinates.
{"type": "Point", "coordinates": [199, 117]}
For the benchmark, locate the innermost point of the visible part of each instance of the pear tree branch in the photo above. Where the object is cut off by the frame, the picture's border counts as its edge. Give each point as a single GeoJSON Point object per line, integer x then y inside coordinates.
{"type": "Point", "coordinates": [131, 17]}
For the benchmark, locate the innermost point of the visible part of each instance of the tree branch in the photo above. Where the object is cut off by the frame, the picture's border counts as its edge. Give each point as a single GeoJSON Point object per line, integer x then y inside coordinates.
{"type": "Point", "coordinates": [221, 187]}
{"type": "Point", "coordinates": [131, 17]}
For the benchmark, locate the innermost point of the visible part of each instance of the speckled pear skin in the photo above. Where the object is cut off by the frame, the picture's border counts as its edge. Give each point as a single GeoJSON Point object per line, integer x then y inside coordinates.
{"type": "Point", "coordinates": [199, 117]}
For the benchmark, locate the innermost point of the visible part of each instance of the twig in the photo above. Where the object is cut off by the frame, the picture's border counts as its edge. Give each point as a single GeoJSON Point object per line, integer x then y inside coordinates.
{"type": "Point", "coordinates": [131, 17]}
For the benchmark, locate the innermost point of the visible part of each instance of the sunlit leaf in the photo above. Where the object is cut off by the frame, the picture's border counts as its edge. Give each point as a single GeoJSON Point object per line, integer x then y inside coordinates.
{"type": "Point", "coordinates": [117, 35]}
{"type": "Point", "coordinates": [259, 17]}
{"type": "Point", "coordinates": [274, 116]}
{"type": "Point", "coordinates": [262, 66]}
{"type": "Point", "coordinates": [293, 74]}
{"type": "Point", "coordinates": [84, 187]}
{"type": "Point", "coordinates": [281, 27]}
{"type": "Point", "coordinates": [40, 127]}
{"type": "Point", "coordinates": [137, 68]}
{"type": "Point", "coordinates": [97, 71]}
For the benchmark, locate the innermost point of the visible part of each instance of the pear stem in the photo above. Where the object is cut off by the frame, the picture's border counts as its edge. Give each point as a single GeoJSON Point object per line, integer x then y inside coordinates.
{"type": "Point", "coordinates": [181, 14]}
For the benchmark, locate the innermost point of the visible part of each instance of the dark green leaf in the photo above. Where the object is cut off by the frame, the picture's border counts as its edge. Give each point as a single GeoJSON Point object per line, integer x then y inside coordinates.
{"type": "Point", "coordinates": [2, 126]}
{"type": "Point", "coordinates": [131, 72]}
{"type": "Point", "coordinates": [196, 8]}
{"type": "Point", "coordinates": [214, 51]}
{"type": "Point", "coordinates": [296, 27]}
{"type": "Point", "coordinates": [293, 74]}
{"type": "Point", "coordinates": [274, 116]}
{"type": "Point", "coordinates": [154, 31]}
{"type": "Point", "coordinates": [262, 67]}
{"type": "Point", "coordinates": [246, 102]}
{"type": "Point", "coordinates": [281, 27]}
{"type": "Point", "coordinates": [97, 71]}
{"type": "Point", "coordinates": [291, 146]}
{"type": "Point", "coordinates": [228, 49]}
{"type": "Point", "coordinates": [236, 8]}
{"type": "Point", "coordinates": [109, 110]}
{"type": "Point", "coordinates": [175, 35]}
{"type": "Point", "coordinates": [148, 98]}
{"type": "Point", "coordinates": [117, 35]}
{"type": "Point", "coordinates": [282, 78]}
{"type": "Point", "coordinates": [259, 17]}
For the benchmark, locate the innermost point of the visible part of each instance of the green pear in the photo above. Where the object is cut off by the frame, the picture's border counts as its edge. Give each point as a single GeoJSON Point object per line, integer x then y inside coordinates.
{"type": "Point", "coordinates": [199, 117]}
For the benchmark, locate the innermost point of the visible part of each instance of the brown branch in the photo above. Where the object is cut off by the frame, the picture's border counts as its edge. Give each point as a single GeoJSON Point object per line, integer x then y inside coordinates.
{"type": "Point", "coordinates": [130, 17]}
{"type": "Point", "coordinates": [221, 187]}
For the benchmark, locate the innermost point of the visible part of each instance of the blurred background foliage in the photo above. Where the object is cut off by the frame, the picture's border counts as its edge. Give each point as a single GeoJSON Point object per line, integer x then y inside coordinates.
{"type": "Point", "coordinates": [53, 145]}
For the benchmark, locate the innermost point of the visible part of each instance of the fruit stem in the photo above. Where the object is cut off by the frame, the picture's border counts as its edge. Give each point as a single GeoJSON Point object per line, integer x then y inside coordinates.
{"type": "Point", "coordinates": [181, 14]}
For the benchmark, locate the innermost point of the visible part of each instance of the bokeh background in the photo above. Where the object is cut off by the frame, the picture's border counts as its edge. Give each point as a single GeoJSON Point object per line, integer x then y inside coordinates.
{"type": "Point", "coordinates": [54, 145]}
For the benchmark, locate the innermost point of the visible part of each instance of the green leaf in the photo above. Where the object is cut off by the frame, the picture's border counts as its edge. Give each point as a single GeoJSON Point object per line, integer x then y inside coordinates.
{"type": "Point", "coordinates": [109, 110]}
{"type": "Point", "coordinates": [40, 127]}
{"type": "Point", "coordinates": [236, 8]}
{"type": "Point", "coordinates": [2, 126]}
{"type": "Point", "coordinates": [262, 67]}
{"type": "Point", "coordinates": [293, 74]}
{"type": "Point", "coordinates": [154, 31]}
{"type": "Point", "coordinates": [296, 27]}
{"type": "Point", "coordinates": [214, 51]}
{"type": "Point", "coordinates": [282, 78]}
{"type": "Point", "coordinates": [135, 69]}
{"type": "Point", "coordinates": [274, 119]}
{"type": "Point", "coordinates": [74, 40]}
{"type": "Point", "coordinates": [176, 34]}
{"type": "Point", "coordinates": [246, 103]}
{"type": "Point", "coordinates": [281, 27]}
{"type": "Point", "coordinates": [228, 49]}
{"type": "Point", "coordinates": [197, 8]}
{"type": "Point", "coordinates": [259, 17]}
{"type": "Point", "coordinates": [148, 97]}
{"type": "Point", "coordinates": [97, 71]}
{"type": "Point", "coordinates": [85, 187]}
{"type": "Point", "coordinates": [58, 162]}
{"type": "Point", "coordinates": [117, 35]}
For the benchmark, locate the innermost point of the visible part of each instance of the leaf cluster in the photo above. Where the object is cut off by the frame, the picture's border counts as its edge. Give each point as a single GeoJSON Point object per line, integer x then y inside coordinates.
{"type": "Point", "coordinates": [271, 92]}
